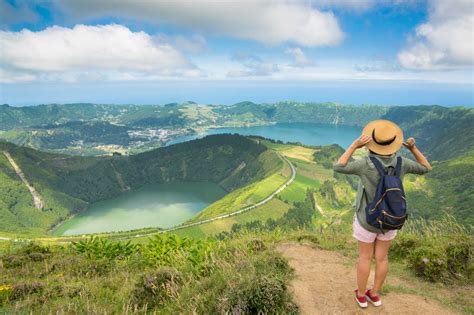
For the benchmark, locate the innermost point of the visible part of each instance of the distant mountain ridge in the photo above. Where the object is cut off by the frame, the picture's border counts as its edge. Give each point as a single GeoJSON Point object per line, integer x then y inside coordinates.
{"type": "Point", "coordinates": [441, 132]}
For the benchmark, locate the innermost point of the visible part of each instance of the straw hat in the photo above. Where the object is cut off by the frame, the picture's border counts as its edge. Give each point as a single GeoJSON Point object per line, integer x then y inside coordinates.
{"type": "Point", "coordinates": [387, 137]}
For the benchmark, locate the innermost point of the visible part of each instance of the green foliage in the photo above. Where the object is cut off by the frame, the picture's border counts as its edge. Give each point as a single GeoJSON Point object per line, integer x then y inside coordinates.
{"type": "Point", "coordinates": [437, 129]}
{"type": "Point", "coordinates": [5, 293]}
{"type": "Point", "coordinates": [167, 250]}
{"type": "Point", "coordinates": [98, 248]}
{"type": "Point", "coordinates": [444, 262]}
{"type": "Point", "coordinates": [438, 251]}
{"type": "Point", "coordinates": [327, 155]}
{"type": "Point", "coordinates": [247, 276]}
{"type": "Point", "coordinates": [298, 217]}
{"type": "Point", "coordinates": [327, 190]}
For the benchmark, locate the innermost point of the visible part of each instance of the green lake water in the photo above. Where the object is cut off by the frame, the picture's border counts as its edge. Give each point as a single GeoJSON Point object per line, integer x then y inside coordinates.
{"type": "Point", "coordinates": [160, 205]}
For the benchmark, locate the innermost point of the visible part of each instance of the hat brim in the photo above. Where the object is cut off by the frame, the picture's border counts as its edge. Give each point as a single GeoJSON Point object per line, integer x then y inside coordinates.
{"type": "Point", "coordinates": [384, 125]}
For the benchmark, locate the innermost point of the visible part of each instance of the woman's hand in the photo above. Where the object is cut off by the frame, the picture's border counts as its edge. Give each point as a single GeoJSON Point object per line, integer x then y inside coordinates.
{"type": "Point", "coordinates": [410, 144]}
{"type": "Point", "coordinates": [361, 141]}
{"type": "Point", "coordinates": [358, 143]}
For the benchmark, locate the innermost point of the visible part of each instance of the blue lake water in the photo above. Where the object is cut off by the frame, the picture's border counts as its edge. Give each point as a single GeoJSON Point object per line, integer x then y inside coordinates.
{"type": "Point", "coordinates": [306, 133]}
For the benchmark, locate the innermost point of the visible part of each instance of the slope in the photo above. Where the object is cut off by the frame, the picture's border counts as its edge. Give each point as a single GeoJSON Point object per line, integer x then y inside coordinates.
{"type": "Point", "coordinates": [69, 183]}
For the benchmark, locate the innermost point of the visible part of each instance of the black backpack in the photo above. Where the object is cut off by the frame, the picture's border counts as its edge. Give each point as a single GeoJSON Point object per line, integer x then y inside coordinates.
{"type": "Point", "coordinates": [388, 210]}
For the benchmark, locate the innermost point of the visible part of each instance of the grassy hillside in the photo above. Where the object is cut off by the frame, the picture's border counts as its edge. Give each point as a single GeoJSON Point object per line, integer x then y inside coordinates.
{"type": "Point", "coordinates": [447, 189]}
{"type": "Point", "coordinates": [443, 133]}
{"type": "Point", "coordinates": [168, 275]}
{"type": "Point", "coordinates": [69, 183]}
{"type": "Point", "coordinates": [240, 272]}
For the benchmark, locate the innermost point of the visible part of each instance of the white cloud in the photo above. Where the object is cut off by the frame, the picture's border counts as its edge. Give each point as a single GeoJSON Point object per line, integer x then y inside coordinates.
{"type": "Point", "coordinates": [300, 59]}
{"type": "Point", "coordinates": [193, 44]}
{"type": "Point", "coordinates": [265, 21]}
{"type": "Point", "coordinates": [446, 41]}
{"type": "Point", "coordinates": [254, 66]}
{"type": "Point", "coordinates": [378, 63]}
{"type": "Point", "coordinates": [103, 52]}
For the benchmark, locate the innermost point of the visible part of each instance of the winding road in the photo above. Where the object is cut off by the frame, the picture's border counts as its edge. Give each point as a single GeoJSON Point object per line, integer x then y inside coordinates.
{"type": "Point", "coordinates": [255, 205]}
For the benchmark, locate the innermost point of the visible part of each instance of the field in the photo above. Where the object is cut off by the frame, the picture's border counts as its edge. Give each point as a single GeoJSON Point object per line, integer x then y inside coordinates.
{"type": "Point", "coordinates": [274, 209]}
{"type": "Point", "coordinates": [309, 175]}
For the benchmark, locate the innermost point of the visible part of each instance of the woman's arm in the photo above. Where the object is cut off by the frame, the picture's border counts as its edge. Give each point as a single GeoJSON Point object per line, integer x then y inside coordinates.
{"type": "Point", "coordinates": [420, 158]}
{"type": "Point", "coordinates": [358, 143]}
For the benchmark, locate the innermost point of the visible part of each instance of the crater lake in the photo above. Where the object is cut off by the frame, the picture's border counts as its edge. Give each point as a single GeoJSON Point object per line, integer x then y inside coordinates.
{"type": "Point", "coordinates": [158, 205]}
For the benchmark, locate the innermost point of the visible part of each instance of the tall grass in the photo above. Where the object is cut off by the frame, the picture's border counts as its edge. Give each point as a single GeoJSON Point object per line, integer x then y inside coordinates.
{"type": "Point", "coordinates": [446, 226]}
{"type": "Point", "coordinates": [167, 275]}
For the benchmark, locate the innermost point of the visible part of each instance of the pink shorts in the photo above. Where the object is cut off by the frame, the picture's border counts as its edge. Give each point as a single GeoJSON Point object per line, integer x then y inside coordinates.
{"type": "Point", "coordinates": [365, 236]}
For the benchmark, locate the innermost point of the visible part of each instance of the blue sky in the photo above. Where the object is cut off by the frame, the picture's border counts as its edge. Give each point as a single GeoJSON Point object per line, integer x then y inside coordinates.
{"type": "Point", "coordinates": [153, 52]}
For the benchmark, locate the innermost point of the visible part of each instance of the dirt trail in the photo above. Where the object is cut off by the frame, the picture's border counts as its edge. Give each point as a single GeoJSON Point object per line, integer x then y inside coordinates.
{"type": "Point", "coordinates": [324, 284]}
{"type": "Point", "coordinates": [38, 203]}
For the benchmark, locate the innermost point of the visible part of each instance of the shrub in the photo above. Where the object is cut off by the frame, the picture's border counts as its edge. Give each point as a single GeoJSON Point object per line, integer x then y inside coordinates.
{"type": "Point", "coordinates": [12, 261]}
{"type": "Point", "coordinates": [92, 268]}
{"type": "Point", "coordinates": [34, 248]}
{"type": "Point", "coordinates": [258, 286]}
{"type": "Point", "coordinates": [429, 263]}
{"type": "Point", "coordinates": [156, 288]}
{"type": "Point", "coordinates": [27, 252]}
{"type": "Point", "coordinates": [442, 259]}
{"type": "Point", "coordinates": [403, 245]}
{"type": "Point", "coordinates": [309, 238]}
{"type": "Point", "coordinates": [256, 245]}
{"type": "Point", "coordinates": [459, 257]}
{"type": "Point", "coordinates": [171, 250]}
{"type": "Point", "coordinates": [20, 290]}
{"type": "Point", "coordinates": [260, 294]}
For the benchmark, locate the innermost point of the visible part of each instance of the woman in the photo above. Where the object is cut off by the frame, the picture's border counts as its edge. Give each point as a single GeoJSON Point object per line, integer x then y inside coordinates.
{"type": "Point", "coordinates": [383, 138]}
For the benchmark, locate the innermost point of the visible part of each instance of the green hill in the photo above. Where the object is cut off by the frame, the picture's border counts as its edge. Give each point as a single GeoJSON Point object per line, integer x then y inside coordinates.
{"type": "Point", "coordinates": [69, 183]}
{"type": "Point", "coordinates": [442, 132]}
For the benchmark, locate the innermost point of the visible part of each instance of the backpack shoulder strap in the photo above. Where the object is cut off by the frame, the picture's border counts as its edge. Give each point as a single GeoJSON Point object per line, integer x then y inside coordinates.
{"type": "Point", "coordinates": [398, 168]}
{"type": "Point", "coordinates": [378, 165]}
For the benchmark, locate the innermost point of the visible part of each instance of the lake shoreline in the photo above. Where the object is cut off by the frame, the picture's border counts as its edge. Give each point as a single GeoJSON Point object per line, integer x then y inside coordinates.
{"type": "Point", "coordinates": [166, 197]}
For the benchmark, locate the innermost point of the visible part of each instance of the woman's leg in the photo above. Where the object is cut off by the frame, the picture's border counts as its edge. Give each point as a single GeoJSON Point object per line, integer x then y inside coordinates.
{"type": "Point", "coordinates": [381, 267]}
{"type": "Point", "coordinates": [366, 251]}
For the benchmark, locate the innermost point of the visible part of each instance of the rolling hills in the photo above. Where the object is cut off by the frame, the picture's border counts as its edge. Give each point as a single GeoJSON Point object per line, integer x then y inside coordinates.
{"type": "Point", "coordinates": [69, 183]}
{"type": "Point", "coordinates": [96, 129]}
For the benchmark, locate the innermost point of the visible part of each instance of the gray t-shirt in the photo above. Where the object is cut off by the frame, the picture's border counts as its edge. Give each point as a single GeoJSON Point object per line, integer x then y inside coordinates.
{"type": "Point", "coordinates": [369, 178]}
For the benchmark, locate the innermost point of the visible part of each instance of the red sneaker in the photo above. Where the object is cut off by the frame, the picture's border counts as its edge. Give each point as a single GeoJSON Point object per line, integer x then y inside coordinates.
{"type": "Point", "coordinates": [361, 300]}
{"type": "Point", "coordinates": [374, 299]}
